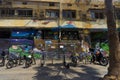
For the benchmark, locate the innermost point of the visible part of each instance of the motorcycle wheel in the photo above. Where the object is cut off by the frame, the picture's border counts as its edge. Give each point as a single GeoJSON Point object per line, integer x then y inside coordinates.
{"type": "Point", "coordinates": [74, 62]}
{"type": "Point", "coordinates": [104, 61]}
{"type": "Point", "coordinates": [22, 62]}
{"type": "Point", "coordinates": [2, 64]}
{"type": "Point", "coordinates": [28, 63]}
{"type": "Point", "coordinates": [9, 64]}
{"type": "Point", "coordinates": [15, 63]}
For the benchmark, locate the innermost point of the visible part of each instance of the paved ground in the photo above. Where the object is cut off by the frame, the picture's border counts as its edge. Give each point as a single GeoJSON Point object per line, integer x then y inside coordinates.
{"type": "Point", "coordinates": [53, 72]}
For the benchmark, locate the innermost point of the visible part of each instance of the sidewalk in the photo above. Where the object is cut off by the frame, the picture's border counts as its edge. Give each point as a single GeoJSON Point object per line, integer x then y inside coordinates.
{"type": "Point", "coordinates": [54, 72]}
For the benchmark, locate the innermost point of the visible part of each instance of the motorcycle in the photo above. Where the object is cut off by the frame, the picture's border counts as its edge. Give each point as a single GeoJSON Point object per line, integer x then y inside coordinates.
{"type": "Point", "coordinates": [99, 57]}
{"type": "Point", "coordinates": [28, 61]}
{"type": "Point", "coordinates": [13, 61]}
{"type": "Point", "coordinates": [74, 60]}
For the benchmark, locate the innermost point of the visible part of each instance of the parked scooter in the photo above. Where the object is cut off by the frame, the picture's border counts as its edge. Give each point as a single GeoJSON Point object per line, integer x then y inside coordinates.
{"type": "Point", "coordinates": [99, 57]}
{"type": "Point", "coordinates": [74, 60]}
{"type": "Point", "coordinates": [28, 61]}
{"type": "Point", "coordinates": [13, 60]}
{"type": "Point", "coordinates": [11, 63]}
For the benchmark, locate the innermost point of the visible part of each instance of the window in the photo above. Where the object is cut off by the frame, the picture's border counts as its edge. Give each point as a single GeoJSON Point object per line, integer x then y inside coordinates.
{"type": "Point", "coordinates": [7, 12]}
{"type": "Point", "coordinates": [95, 5]}
{"type": "Point", "coordinates": [69, 14]}
{"type": "Point", "coordinates": [69, 4]}
{"type": "Point", "coordinates": [99, 36]}
{"type": "Point", "coordinates": [8, 3]}
{"type": "Point", "coordinates": [25, 13]}
{"type": "Point", "coordinates": [0, 1]}
{"type": "Point", "coordinates": [24, 3]}
{"type": "Point", "coordinates": [52, 4]}
{"type": "Point", "coordinates": [69, 35]}
{"type": "Point", "coordinates": [49, 34]}
{"type": "Point", "coordinates": [77, 1]}
{"type": "Point", "coordinates": [97, 14]}
{"type": "Point", "coordinates": [52, 13]}
{"type": "Point", "coordinates": [5, 34]}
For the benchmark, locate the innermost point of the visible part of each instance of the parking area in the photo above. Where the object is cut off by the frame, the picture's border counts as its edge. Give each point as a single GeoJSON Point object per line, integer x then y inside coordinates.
{"type": "Point", "coordinates": [54, 71]}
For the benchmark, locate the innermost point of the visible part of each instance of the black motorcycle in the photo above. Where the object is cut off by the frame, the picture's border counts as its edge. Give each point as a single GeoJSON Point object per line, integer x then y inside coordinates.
{"type": "Point", "coordinates": [74, 60]}
{"type": "Point", "coordinates": [11, 63]}
{"type": "Point", "coordinates": [28, 61]}
{"type": "Point", "coordinates": [99, 57]}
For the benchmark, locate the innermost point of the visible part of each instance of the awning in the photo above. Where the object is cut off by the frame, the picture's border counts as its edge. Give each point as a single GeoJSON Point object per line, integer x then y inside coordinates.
{"type": "Point", "coordinates": [19, 23]}
{"type": "Point", "coordinates": [68, 26]}
{"type": "Point", "coordinates": [98, 24]}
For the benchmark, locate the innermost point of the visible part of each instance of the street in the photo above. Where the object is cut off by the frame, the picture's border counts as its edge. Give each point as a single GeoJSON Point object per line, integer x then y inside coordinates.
{"type": "Point", "coordinates": [53, 72]}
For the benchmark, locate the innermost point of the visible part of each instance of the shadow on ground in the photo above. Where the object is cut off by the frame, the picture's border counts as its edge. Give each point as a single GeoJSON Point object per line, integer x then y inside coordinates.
{"type": "Point", "coordinates": [58, 72]}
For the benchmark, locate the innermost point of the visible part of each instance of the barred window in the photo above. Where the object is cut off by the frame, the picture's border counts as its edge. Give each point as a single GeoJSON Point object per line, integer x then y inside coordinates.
{"type": "Point", "coordinates": [24, 3]}
{"type": "Point", "coordinates": [69, 35]}
{"type": "Point", "coordinates": [25, 13]}
{"type": "Point", "coordinates": [51, 4]}
{"type": "Point", "coordinates": [52, 13]}
{"type": "Point", "coordinates": [97, 14]}
{"type": "Point", "coordinates": [7, 12]}
{"type": "Point", "coordinates": [69, 14]}
{"type": "Point", "coordinates": [49, 34]}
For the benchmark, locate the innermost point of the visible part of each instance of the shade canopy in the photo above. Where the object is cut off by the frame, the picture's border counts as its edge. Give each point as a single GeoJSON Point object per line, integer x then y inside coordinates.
{"type": "Point", "coordinates": [68, 26]}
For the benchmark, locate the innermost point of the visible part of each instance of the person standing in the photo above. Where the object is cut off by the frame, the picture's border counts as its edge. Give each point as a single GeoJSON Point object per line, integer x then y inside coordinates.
{"type": "Point", "coordinates": [32, 56]}
{"type": "Point", "coordinates": [42, 61]}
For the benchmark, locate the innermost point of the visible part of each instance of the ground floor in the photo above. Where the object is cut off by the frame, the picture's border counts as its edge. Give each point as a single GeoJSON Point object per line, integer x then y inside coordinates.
{"type": "Point", "coordinates": [51, 39]}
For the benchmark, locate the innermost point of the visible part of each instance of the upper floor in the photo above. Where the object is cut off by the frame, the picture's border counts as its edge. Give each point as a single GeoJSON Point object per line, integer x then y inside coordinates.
{"type": "Point", "coordinates": [56, 9]}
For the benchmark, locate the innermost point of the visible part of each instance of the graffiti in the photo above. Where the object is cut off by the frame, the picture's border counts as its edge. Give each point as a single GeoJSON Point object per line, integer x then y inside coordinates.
{"type": "Point", "coordinates": [21, 50]}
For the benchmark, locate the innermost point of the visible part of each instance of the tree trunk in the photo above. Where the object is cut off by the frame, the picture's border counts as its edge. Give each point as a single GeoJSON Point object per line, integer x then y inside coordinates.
{"type": "Point", "coordinates": [114, 66]}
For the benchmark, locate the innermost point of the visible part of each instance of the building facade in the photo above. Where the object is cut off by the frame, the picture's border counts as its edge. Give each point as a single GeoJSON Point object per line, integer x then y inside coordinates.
{"type": "Point", "coordinates": [54, 21]}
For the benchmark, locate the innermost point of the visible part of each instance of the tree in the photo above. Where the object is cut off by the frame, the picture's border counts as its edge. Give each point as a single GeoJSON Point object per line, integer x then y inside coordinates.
{"type": "Point", "coordinates": [114, 44]}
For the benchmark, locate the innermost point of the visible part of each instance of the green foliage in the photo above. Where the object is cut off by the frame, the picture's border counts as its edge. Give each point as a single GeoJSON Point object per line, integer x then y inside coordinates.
{"type": "Point", "coordinates": [105, 47]}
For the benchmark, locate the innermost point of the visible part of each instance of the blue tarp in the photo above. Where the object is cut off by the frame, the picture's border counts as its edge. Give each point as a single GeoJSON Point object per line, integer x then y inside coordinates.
{"type": "Point", "coordinates": [62, 27]}
{"type": "Point", "coordinates": [68, 26]}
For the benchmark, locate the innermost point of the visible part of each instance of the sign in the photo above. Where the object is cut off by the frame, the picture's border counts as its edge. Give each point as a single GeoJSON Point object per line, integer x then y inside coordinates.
{"type": "Point", "coordinates": [53, 47]}
{"type": "Point", "coordinates": [61, 46]}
